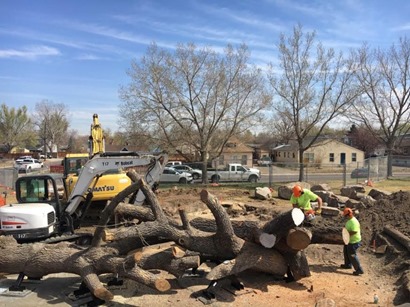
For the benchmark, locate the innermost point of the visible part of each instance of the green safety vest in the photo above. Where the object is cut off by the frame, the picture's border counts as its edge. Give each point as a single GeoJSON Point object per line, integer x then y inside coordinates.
{"type": "Point", "coordinates": [354, 225]}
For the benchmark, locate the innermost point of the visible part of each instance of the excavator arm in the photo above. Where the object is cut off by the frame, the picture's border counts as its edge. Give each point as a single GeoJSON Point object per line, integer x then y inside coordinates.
{"type": "Point", "coordinates": [100, 163]}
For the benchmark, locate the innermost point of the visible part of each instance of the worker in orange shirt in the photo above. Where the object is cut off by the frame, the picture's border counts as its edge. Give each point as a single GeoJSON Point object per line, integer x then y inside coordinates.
{"type": "Point", "coordinates": [301, 199]}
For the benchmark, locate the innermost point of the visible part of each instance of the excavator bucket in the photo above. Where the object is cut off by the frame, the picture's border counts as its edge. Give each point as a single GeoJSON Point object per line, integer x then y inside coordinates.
{"type": "Point", "coordinates": [97, 140]}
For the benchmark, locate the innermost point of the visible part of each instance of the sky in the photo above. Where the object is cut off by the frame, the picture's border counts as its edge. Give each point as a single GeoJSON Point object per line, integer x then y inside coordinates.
{"type": "Point", "coordinates": [78, 52]}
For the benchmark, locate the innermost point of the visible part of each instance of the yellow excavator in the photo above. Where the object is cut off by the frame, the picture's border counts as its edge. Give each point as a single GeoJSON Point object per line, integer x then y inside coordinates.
{"type": "Point", "coordinates": [109, 184]}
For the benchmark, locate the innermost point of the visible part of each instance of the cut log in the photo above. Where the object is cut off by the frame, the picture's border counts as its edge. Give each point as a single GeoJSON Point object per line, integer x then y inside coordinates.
{"type": "Point", "coordinates": [281, 223]}
{"type": "Point", "coordinates": [252, 230]}
{"type": "Point", "coordinates": [267, 240]}
{"type": "Point", "coordinates": [253, 257]}
{"type": "Point", "coordinates": [162, 257]}
{"type": "Point", "coordinates": [299, 238]}
{"type": "Point", "coordinates": [279, 226]}
{"type": "Point", "coordinates": [398, 236]}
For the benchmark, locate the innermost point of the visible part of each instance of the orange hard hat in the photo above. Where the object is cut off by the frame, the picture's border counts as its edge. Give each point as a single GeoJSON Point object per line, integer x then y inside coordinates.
{"type": "Point", "coordinates": [297, 190]}
{"type": "Point", "coordinates": [347, 211]}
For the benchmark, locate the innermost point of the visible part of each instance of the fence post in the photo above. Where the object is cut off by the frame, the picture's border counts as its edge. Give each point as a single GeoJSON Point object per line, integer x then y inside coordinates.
{"type": "Point", "coordinates": [344, 174]}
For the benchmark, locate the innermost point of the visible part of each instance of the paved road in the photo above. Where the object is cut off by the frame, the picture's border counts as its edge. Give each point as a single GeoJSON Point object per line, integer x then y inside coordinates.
{"type": "Point", "coordinates": [52, 290]}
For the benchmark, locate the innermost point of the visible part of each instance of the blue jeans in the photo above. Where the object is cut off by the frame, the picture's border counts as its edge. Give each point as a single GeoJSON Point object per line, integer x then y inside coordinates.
{"type": "Point", "coordinates": [350, 255]}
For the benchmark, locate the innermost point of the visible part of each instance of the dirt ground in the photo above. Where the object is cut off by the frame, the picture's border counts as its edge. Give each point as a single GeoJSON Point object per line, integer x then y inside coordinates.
{"type": "Point", "coordinates": [328, 285]}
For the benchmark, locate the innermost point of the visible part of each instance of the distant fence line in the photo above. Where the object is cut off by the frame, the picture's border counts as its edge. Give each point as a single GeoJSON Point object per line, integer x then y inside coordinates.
{"type": "Point", "coordinates": [8, 177]}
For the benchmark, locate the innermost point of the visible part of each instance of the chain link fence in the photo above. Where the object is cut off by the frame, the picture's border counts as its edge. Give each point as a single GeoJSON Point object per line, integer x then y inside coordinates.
{"type": "Point", "coordinates": [373, 169]}
{"type": "Point", "coordinates": [8, 177]}
{"type": "Point", "coordinates": [370, 170]}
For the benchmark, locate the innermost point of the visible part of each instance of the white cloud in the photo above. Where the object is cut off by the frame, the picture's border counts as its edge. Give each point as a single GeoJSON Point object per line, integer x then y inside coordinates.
{"type": "Point", "coordinates": [403, 27]}
{"type": "Point", "coordinates": [30, 53]}
{"type": "Point", "coordinates": [89, 57]}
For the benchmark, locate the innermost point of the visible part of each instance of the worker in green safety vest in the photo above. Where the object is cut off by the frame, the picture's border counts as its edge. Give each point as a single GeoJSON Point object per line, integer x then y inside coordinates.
{"type": "Point", "coordinates": [355, 241]}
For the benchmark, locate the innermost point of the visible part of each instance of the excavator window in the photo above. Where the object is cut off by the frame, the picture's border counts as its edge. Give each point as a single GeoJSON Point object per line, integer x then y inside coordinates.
{"type": "Point", "coordinates": [36, 190]}
{"type": "Point", "coordinates": [31, 190]}
{"type": "Point", "coordinates": [75, 165]}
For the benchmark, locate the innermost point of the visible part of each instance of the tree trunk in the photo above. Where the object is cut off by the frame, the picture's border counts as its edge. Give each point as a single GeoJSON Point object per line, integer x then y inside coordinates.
{"type": "Point", "coordinates": [278, 227]}
{"type": "Point", "coordinates": [251, 230]}
{"type": "Point", "coordinates": [398, 236]}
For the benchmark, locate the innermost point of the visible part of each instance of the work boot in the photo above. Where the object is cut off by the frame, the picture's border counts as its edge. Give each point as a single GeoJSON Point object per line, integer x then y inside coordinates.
{"type": "Point", "coordinates": [358, 272]}
{"type": "Point", "coordinates": [345, 266]}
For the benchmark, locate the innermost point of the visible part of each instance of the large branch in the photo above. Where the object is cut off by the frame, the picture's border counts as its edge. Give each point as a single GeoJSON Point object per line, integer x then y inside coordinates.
{"type": "Point", "coordinates": [40, 259]}
{"type": "Point", "coordinates": [222, 244]}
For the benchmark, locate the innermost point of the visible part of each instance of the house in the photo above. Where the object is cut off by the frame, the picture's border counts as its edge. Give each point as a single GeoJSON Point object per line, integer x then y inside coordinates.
{"type": "Point", "coordinates": [260, 151]}
{"type": "Point", "coordinates": [324, 151]}
{"type": "Point", "coordinates": [235, 152]}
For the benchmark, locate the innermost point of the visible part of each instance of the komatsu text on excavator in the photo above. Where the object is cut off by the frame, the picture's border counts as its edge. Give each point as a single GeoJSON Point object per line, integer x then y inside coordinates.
{"type": "Point", "coordinates": [45, 209]}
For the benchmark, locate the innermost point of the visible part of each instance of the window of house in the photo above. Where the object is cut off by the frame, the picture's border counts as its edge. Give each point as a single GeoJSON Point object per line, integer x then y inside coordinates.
{"type": "Point", "coordinates": [244, 160]}
{"type": "Point", "coordinates": [294, 155]}
{"type": "Point", "coordinates": [221, 160]}
{"type": "Point", "coordinates": [279, 154]}
{"type": "Point", "coordinates": [309, 157]}
{"type": "Point", "coordinates": [354, 157]}
{"type": "Point", "coordinates": [331, 157]}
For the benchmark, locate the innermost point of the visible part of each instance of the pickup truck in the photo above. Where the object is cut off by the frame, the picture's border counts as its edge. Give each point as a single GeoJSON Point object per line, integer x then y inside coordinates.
{"type": "Point", "coordinates": [27, 165]}
{"type": "Point", "coordinates": [234, 172]}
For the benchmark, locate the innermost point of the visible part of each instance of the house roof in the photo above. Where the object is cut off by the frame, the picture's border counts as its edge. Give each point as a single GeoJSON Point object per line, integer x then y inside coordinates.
{"type": "Point", "coordinates": [234, 146]}
{"type": "Point", "coordinates": [283, 147]}
{"type": "Point", "coordinates": [293, 146]}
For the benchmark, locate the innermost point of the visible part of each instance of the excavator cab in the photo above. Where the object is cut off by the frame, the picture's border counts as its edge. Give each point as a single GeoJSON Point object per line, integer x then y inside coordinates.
{"type": "Point", "coordinates": [42, 189]}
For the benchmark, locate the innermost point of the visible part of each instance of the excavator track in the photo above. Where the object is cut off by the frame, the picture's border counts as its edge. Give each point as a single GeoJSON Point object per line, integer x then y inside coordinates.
{"type": "Point", "coordinates": [82, 239]}
{"type": "Point", "coordinates": [78, 238]}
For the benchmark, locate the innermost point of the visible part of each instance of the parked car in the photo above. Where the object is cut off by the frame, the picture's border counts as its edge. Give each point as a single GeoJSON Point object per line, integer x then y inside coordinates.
{"type": "Point", "coordinates": [234, 172]}
{"type": "Point", "coordinates": [196, 173]}
{"type": "Point", "coordinates": [48, 156]}
{"type": "Point", "coordinates": [362, 172]}
{"type": "Point", "coordinates": [173, 163]}
{"type": "Point", "coordinates": [197, 165]}
{"type": "Point", "coordinates": [170, 174]}
{"type": "Point", "coordinates": [265, 161]}
{"type": "Point", "coordinates": [22, 158]}
{"type": "Point", "coordinates": [27, 165]}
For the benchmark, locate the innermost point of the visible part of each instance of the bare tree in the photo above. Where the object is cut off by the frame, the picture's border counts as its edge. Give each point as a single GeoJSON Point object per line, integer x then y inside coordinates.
{"type": "Point", "coordinates": [15, 126]}
{"type": "Point", "coordinates": [76, 142]}
{"type": "Point", "coordinates": [193, 100]}
{"type": "Point", "coordinates": [282, 129]}
{"type": "Point", "coordinates": [363, 139]}
{"type": "Point", "coordinates": [313, 86]}
{"type": "Point", "coordinates": [384, 108]}
{"type": "Point", "coordinates": [52, 123]}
